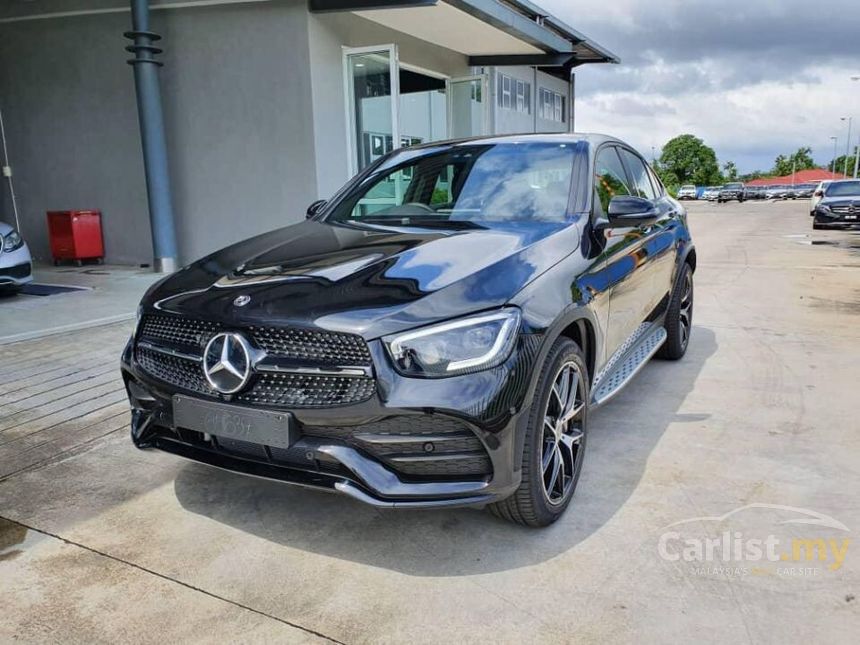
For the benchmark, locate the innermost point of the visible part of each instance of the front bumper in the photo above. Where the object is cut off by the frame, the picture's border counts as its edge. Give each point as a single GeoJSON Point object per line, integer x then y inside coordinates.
{"type": "Point", "coordinates": [16, 267]}
{"type": "Point", "coordinates": [837, 220]}
{"type": "Point", "coordinates": [485, 412]}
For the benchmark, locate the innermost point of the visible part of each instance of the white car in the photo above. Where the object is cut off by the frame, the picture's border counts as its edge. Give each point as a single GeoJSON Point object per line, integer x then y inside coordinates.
{"type": "Point", "coordinates": [818, 195]}
{"type": "Point", "coordinates": [711, 193]}
{"type": "Point", "coordinates": [16, 264]}
{"type": "Point", "coordinates": [687, 191]}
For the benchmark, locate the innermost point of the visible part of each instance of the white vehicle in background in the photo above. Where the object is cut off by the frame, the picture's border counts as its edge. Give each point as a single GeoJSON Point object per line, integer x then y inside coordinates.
{"type": "Point", "coordinates": [711, 193]}
{"type": "Point", "coordinates": [818, 195]}
{"type": "Point", "coordinates": [16, 265]}
{"type": "Point", "coordinates": [687, 191]}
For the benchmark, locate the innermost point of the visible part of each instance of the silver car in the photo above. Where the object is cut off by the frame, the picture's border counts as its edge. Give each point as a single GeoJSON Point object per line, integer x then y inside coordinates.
{"type": "Point", "coordinates": [16, 264]}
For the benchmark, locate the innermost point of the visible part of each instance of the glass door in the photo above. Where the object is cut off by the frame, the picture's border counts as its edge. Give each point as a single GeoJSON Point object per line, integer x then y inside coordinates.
{"type": "Point", "coordinates": [372, 90]}
{"type": "Point", "coordinates": [468, 107]}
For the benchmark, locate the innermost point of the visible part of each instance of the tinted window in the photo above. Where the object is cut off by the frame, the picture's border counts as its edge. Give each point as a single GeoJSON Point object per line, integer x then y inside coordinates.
{"type": "Point", "coordinates": [513, 182]}
{"type": "Point", "coordinates": [639, 175]}
{"type": "Point", "coordinates": [610, 179]}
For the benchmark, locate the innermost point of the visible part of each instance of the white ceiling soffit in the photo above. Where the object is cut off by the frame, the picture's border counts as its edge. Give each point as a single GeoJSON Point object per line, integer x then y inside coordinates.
{"type": "Point", "coordinates": [449, 27]}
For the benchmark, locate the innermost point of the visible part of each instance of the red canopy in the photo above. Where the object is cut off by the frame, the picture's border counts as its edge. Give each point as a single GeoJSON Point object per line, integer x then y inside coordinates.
{"type": "Point", "coordinates": [800, 177]}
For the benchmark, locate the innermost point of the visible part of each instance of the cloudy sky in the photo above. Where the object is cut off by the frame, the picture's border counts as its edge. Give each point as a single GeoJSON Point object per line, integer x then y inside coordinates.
{"type": "Point", "coordinates": [753, 78]}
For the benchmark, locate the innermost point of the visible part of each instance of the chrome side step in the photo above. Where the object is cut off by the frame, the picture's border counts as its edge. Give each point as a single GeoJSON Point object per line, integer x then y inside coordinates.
{"type": "Point", "coordinates": [618, 372]}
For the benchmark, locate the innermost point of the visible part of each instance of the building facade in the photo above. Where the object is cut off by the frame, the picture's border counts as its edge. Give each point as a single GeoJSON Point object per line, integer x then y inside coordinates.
{"type": "Point", "coordinates": [268, 104]}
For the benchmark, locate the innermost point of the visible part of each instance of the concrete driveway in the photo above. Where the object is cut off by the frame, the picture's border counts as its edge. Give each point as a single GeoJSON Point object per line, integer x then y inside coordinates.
{"type": "Point", "coordinates": [101, 542]}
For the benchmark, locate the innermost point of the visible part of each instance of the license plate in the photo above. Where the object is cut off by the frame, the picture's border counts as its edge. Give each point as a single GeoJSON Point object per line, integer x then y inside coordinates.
{"type": "Point", "coordinates": [234, 422]}
{"type": "Point", "coordinates": [850, 217]}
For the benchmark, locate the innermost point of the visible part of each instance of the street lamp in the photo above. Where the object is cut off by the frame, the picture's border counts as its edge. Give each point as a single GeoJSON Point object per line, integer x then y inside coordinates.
{"type": "Point", "coordinates": [847, 142]}
{"type": "Point", "coordinates": [833, 163]}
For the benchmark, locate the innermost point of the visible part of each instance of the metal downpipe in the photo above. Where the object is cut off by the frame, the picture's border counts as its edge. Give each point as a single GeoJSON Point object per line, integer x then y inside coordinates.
{"type": "Point", "coordinates": [152, 137]}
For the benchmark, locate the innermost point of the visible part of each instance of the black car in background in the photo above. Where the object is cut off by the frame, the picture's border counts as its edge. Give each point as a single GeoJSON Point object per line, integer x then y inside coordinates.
{"type": "Point", "coordinates": [732, 190]}
{"type": "Point", "coordinates": [839, 206]}
{"type": "Point", "coordinates": [434, 335]}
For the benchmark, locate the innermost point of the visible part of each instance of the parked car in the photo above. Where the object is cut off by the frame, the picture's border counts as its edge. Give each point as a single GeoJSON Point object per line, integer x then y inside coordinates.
{"type": "Point", "coordinates": [16, 264]}
{"type": "Point", "coordinates": [804, 191]}
{"type": "Point", "coordinates": [687, 191]}
{"type": "Point", "coordinates": [711, 193]}
{"type": "Point", "coordinates": [441, 349]}
{"type": "Point", "coordinates": [776, 192]}
{"type": "Point", "coordinates": [817, 195]}
{"type": "Point", "coordinates": [753, 192]}
{"type": "Point", "coordinates": [732, 190]}
{"type": "Point", "coordinates": [839, 206]}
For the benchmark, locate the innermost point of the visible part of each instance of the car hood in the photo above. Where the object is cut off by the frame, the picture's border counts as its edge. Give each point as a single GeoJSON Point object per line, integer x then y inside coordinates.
{"type": "Point", "coordinates": [364, 279]}
{"type": "Point", "coordinates": [841, 201]}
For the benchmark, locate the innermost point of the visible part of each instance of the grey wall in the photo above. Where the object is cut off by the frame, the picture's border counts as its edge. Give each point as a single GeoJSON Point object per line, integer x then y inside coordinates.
{"type": "Point", "coordinates": [238, 116]}
{"type": "Point", "coordinates": [68, 102]}
{"type": "Point", "coordinates": [556, 85]}
{"type": "Point", "coordinates": [237, 100]}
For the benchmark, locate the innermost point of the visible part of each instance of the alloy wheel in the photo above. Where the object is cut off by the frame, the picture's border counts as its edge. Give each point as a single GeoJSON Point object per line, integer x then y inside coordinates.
{"type": "Point", "coordinates": [685, 312]}
{"type": "Point", "coordinates": [563, 433]}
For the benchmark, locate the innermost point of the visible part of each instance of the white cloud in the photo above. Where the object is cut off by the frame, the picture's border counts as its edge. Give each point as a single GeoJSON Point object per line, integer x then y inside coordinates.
{"type": "Point", "coordinates": [753, 79]}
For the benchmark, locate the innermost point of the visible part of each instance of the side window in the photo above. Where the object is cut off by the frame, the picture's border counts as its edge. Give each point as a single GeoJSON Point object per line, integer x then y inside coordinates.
{"type": "Point", "coordinates": [639, 175]}
{"type": "Point", "coordinates": [658, 185]}
{"type": "Point", "coordinates": [610, 179]}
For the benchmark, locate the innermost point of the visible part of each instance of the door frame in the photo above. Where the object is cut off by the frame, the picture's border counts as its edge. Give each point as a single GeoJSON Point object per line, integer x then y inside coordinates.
{"type": "Point", "coordinates": [485, 99]}
{"type": "Point", "coordinates": [349, 99]}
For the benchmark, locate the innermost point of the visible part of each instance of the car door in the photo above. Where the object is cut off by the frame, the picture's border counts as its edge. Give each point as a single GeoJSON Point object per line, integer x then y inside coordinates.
{"type": "Point", "coordinates": [659, 239]}
{"type": "Point", "coordinates": [636, 259]}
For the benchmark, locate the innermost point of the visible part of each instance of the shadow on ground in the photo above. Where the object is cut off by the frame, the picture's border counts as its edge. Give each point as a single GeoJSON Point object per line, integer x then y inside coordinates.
{"type": "Point", "coordinates": [461, 541]}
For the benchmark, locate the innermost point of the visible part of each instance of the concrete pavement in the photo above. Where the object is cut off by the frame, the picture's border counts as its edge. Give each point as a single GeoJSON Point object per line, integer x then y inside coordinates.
{"type": "Point", "coordinates": [103, 542]}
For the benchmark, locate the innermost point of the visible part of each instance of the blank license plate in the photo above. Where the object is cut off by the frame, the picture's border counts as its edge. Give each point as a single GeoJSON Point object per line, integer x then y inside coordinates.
{"type": "Point", "coordinates": [850, 217]}
{"type": "Point", "coordinates": [234, 422]}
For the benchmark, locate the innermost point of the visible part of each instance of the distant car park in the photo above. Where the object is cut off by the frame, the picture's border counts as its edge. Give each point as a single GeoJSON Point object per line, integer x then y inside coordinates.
{"type": "Point", "coordinates": [732, 190]}
{"type": "Point", "coordinates": [711, 193]}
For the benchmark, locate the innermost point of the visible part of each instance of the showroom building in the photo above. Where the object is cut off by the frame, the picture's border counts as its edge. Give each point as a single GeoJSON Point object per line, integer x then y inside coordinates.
{"type": "Point", "coordinates": [267, 104]}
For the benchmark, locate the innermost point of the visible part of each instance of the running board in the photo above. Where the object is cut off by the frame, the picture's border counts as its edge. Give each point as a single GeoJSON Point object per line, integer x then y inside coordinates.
{"type": "Point", "coordinates": [610, 383]}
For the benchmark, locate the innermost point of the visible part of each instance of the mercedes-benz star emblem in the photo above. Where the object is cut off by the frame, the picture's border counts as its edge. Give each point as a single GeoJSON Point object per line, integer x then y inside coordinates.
{"type": "Point", "coordinates": [227, 362]}
{"type": "Point", "coordinates": [241, 301]}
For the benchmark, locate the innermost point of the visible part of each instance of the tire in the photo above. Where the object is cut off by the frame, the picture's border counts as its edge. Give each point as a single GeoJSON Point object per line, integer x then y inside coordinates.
{"type": "Point", "coordinates": [679, 317]}
{"type": "Point", "coordinates": [532, 504]}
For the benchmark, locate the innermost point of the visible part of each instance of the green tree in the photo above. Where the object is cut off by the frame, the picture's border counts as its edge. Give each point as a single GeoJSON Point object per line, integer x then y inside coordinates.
{"type": "Point", "coordinates": [800, 160]}
{"type": "Point", "coordinates": [730, 171]}
{"type": "Point", "coordinates": [840, 163]}
{"type": "Point", "coordinates": [689, 161]}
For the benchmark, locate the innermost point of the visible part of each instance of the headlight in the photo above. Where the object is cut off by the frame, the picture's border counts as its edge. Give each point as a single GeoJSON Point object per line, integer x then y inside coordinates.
{"type": "Point", "coordinates": [824, 208]}
{"type": "Point", "coordinates": [456, 347]}
{"type": "Point", "coordinates": [12, 241]}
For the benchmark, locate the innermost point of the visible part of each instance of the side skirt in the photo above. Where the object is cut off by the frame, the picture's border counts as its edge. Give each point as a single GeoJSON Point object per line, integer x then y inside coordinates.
{"type": "Point", "coordinates": [627, 362]}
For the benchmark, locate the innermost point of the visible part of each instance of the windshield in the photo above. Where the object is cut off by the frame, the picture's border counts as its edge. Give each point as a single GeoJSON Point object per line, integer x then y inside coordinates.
{"type": "Point", "coordinates": [502, 182]}
{"type": "Point", "coordinates": [730, 186]}
{"type": "Point", "coordinates": [843, 189]}
{"type": "Point", "coordinates": [688, 187]}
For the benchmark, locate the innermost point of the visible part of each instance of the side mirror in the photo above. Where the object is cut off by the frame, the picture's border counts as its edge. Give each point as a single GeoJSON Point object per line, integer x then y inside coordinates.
{"type": "Point", "coordinates": [315, 208]}
{"type": "Point", "coordinates": [628, 210]}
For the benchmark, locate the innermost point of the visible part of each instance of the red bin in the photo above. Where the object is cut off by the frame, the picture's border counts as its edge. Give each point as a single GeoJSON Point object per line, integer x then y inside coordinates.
{"type": "Point", "coordinates": [76, 235]}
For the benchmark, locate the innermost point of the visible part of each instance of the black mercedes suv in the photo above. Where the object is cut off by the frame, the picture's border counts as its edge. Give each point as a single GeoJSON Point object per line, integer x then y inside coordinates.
{"type": "Point", "coordinates": [434, 335]}
{"type": "Point", "coordinates": [839, 206]}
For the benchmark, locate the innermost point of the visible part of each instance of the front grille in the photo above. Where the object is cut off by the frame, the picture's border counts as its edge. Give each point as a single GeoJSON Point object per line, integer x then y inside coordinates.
{"type": "Point", "coordinates": [307, 348]}
{"type": "Point", "coordinates": [307, 391]}
{"type": "Point", "coordinates": [849, 209]}
{"type": "Point", "coordinates": [312, 346]}
{"type": "Point", "coordinates": [17, 272]}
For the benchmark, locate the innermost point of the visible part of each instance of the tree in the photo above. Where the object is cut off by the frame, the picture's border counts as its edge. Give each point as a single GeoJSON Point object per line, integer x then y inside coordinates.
{"type": "Point", "coordinates": [840, 163]}
{"type": "Point", "coordinates": [689, 161]}
{"type": "Point", "coordinates": [730, 171]}
{"type": "Point", "coordinates": [800, 160]}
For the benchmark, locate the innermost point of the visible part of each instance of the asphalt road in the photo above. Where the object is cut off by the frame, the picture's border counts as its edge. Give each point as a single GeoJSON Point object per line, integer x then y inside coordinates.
{"type": "Point", "coordinates": [757, 426]}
